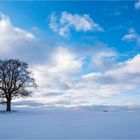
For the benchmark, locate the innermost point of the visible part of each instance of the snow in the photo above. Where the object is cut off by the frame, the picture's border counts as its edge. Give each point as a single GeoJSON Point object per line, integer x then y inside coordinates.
{"type": "Point", "coordinates": [69, 123]}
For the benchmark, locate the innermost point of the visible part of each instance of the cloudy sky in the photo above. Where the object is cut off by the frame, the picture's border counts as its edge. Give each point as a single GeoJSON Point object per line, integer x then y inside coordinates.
{"type": "Point", "coordinates": [81, 53]}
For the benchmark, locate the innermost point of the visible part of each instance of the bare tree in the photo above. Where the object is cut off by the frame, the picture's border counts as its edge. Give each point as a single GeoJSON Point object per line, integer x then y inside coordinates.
{"type": "Point", "coordinates": [15, 80]}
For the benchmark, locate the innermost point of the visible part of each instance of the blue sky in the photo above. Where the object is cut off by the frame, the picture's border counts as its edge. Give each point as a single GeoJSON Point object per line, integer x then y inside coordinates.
{"type": "Point", "coordinates": [81, 53]}
{"type": "Point", "coordinates": [115, 17]}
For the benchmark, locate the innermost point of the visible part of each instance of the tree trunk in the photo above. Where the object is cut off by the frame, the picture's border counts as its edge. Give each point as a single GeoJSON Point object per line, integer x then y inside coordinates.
{"type": "Point", "coordinates": [8, 107]}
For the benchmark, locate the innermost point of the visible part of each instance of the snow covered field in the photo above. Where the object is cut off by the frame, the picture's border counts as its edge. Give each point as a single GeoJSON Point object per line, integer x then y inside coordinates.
{"type": "Point", "coordinates": [70, 123]}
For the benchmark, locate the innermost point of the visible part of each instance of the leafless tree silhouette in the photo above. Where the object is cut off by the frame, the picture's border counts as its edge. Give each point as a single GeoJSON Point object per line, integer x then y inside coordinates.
{"type": "Point", "coordinates": [15, 81]}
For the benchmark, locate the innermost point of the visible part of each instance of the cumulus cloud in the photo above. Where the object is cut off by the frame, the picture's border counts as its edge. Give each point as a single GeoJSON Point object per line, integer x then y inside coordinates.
{"type": "Point", "coordinates": [137, 5]}
{"type": "Point", "coordinates": [132, 36]}
{"type": "Point", "coordinates": [19, 43]}
{"type": "Point", "coordinates": [12, 37]}
{"type": "Point", "coordinates": [67, 89]}
{"type": "Point", "coordinates": [119, 79]}
{"type": "Point", "coordinates": [56, 73]}
{"type": "Point", "coordinates": [60, 78]}
{"type": "Point", "coordinates": [125, 69]}
{"type": "Point", "coordinates": [56, 78]}
{"type": "Point", "coordinates": [103, 58]}
{"type": "Point", "coordinates": [99, 87]}
{"type": "Point", "coordinates": [64, 61]}
{"type": "Point", "coordinates": [66, 22]}
{"type": "Point", "coordinates": [99, 55]}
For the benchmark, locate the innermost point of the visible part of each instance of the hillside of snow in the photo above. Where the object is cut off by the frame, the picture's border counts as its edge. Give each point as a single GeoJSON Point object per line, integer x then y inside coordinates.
{"type": "Point", "coordinates": [69, 123]}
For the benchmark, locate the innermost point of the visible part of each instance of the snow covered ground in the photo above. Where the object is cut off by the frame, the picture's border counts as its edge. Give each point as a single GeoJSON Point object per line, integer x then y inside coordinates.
{"type": "Point", "coordinates": [85, 123]}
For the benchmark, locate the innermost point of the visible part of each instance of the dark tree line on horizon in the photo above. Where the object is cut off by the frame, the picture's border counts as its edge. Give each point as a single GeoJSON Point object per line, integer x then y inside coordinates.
{"type": "Point", "coordinates": [15, 81]}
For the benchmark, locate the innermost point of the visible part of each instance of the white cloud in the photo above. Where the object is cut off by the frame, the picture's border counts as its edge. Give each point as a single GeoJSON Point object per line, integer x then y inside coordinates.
{"type": "Point", "coordinates": [67, 89]}
{"type": "Point", "coordinates": [62, 63]}
{"type": "Point", "coordinates": [58, 79]}
{"type": "Point", "coordinates": [132, 36]}
{"type": "Point", "coordinates": [122, 78]}
{"type": "Point", "coordinates": [18, 43]}
{"type": "Point", "coordinates": [65, 61]}
{"type": "Point", "coordinates": [116, 13]}
{"type": "Point", "coordinates": [99, 55]}
{"type": "Point", "coordinates": [125, 69]}
{"type": "Point", "coordinates": [104, 58]}
{"type": "Point", "coordinates": [67, 22]}
{"type": "Point", "coordinates": [137, 5]}
{"type": "Point", "coordinates": [12, 37]}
